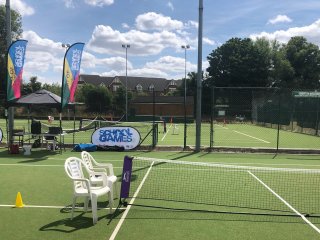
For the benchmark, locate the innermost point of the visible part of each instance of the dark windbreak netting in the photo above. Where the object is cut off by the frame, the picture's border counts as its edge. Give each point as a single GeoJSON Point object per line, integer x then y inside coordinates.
{"type": "Point", "coordinates": [222, 188]}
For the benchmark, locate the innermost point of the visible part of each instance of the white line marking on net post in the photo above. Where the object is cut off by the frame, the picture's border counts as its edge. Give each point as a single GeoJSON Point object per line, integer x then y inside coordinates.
{"type": "Point", "coordinates": [251, 136]}
{"type": "Point", "coordinates": [116, 230]}
{"type": "Point", "coordinates": [286, 203]}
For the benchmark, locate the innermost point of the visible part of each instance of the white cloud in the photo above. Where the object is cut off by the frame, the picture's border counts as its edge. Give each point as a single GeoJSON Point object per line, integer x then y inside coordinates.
{"type": "Point", "coordinates": [106, 40]}
{"type": "Point", "coordinates": [279, 19]}
{"type": "Point", "coordinates": [310, 32]}
{"type": "Point", "coordinates": [208, 41]}
{"type": "Point", "coordinates": [94, 3]}
{"type": "Point", "coordinates": [69, 3]}
{"type": "Point", "coordinates": [191, 24]}
{"type": "Point", "coordinates": [43, 56]}
{"type": "Point", "coordinates": [125, 25]}
{"type": "Point", "coordinates": [154, 21]}
{"type": "Point", "coordinates": [20, 6]}
{"type": "Point", "coordinates": [170, 5]}
{"type": "Point", "coordinates": [99, 3]}
{"type": "Point", "coordinates": [171, 64]}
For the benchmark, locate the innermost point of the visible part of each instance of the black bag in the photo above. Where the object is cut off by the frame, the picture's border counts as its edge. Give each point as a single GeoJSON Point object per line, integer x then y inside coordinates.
{"type": "Point", "coordinates": [35, 127]}
{"type": "Point", "coordinates": [36, 144]}
{"type": "Point", "coordinates": [55, 130]}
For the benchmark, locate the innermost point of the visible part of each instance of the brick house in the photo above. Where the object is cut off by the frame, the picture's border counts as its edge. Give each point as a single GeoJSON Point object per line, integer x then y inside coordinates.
{"type": "Point", "coordinates": [146, 105]}
{"type": "Point", "coordinates": [144, 85]}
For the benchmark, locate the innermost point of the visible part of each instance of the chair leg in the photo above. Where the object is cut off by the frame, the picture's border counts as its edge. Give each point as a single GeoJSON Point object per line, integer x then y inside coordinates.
{"type": "Point", "coordinates": [73, 206]}
{"type": "Point", "coordinates": [115, 188]}
{"type": "Point", "coordinates": [110, 185]}
{"type": "Point", "coordinates": [94, 209]}
{"type": "Point", "coordinates": [86, 203]}
{"type": "Point", "coordinates": [110, 201]}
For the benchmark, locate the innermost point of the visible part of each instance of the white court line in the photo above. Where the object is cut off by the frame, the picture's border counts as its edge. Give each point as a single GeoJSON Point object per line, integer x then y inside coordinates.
{"type": "Point", "coordinates": [251, 136]}
{"type": "Point", "coordinates": [28, 165]}
{"type": "Point", "coordinates": [166, 132]}
{"type": "Point", "coordinates": [266, 164]}
{"type": "Point", "coordinates": [34, 165]}
{"type": "Point", "coordinates": [55, 207]}
{"type": "Point", "coordinates": [221, 126]}
{"type": "Point", "coordinates": [286, 203]}
{"type": "Point", "coordinates": [123, 217]}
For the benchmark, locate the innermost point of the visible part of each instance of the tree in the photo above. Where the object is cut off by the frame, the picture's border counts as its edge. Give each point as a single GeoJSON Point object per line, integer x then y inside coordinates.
{"type": "Point", "coordinates": [119, 100]}
{"type": "Point", "coordinates": [16, 31]}
{"type": "Point", "coordinates": [54, 88]}
{"type": "Point", "coordinates": [239, 63]}
{"type": "Point", "coordinates": [31, 87]}
{"type": "Point", "coordinates": [304, 58]}
{"type": "Point", "coordinates": [97, 99]}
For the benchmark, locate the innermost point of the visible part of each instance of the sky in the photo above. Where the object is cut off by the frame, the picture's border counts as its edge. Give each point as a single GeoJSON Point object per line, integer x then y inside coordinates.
{"type": "Point", "coordinates": [155, 31]}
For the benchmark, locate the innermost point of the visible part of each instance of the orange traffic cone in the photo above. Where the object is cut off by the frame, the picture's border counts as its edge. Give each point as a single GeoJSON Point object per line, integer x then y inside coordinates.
{"type": "Point", "coordinates": [19, 203]}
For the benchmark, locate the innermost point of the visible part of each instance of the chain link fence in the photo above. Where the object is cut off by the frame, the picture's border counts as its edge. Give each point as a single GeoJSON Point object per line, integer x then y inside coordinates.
{"type": "Point", "coordinates": [233, 119]}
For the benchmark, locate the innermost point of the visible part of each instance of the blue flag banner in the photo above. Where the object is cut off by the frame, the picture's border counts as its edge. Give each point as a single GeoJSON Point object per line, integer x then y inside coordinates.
{"type": "Point", "coordinates": [71, 73]}
{"type": "Point", "coordinates": [16, 55]}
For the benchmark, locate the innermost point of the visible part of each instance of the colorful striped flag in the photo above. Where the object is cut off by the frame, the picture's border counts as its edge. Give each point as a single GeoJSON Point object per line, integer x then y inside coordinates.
{"type": "Point", "coordinates": [71, 73]}
{"type": "Point", "coordinates": [16, 55]}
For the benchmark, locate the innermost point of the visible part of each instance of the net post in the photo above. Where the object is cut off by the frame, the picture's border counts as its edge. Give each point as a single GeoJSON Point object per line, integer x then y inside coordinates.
{"type": "Point", "coordinates": [126, 177]}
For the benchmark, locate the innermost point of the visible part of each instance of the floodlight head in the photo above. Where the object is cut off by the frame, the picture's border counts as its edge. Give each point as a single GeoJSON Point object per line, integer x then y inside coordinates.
{"type": "Point", "coordinates": [65, 45]}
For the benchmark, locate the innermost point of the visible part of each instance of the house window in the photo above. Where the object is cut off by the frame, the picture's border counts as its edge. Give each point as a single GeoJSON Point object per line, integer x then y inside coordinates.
{"type": "Point", "coordinates": [116, 80]}
{"type": "Point", "coordinates": [115, 88]}
{"type": "Point", "coordinates": [102, 85]}
{"type": "Point", "coordinates": [173, 83]}
{"type": "Point", "coordinates": [139, 88]}
{"type": "Point", "coordinates": [151, 87]}
{"type": "Point", "coordinates": [172, 89]}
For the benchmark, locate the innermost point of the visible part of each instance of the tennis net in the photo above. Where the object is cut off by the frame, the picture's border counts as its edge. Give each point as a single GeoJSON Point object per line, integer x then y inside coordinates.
{"type": "Point", "coordinates": [197, 186]}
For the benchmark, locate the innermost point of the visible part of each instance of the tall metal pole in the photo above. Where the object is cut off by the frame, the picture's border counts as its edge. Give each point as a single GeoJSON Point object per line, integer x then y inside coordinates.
{"type": "Point", "coordinates": [126, 46]}
{"type": "Point", "coordinates": [185, 47]}
{"type": "Point", "coordinates": [199, 78]}
{"type": "Point", "coordinates": [9, 40]}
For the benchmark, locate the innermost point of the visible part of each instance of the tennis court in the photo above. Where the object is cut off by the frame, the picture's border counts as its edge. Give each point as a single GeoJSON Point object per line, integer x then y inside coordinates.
{"type": "Point", "coordinates": [227, 203]}
{"type": "Point", "coordinates": [238, 135]}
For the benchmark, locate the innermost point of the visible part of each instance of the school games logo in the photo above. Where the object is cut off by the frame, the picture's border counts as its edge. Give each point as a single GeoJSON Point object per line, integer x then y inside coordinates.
{"type": "Point", "coordinates": [126, 137]}
{"type": "Point", "coordinates": [126, 176]}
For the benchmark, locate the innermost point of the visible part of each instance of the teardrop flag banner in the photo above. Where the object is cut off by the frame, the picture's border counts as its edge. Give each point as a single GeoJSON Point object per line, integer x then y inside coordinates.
{"type": "Point", "coordinates": [16, 55]}
{"type": "Point", "coordinates": [71, 73]}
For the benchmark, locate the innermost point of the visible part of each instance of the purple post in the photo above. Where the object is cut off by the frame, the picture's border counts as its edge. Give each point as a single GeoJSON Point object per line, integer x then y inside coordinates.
{"type": "Point", "coordinates": [126, 177]}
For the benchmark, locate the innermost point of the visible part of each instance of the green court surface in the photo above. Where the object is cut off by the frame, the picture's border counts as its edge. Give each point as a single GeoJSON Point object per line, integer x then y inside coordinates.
{"type": "Point", "coordinates": [47, 194]}
{"type": "Point", "coordinates": [230, 135]}
{"type": "Point", "coordinates": [238, 135]}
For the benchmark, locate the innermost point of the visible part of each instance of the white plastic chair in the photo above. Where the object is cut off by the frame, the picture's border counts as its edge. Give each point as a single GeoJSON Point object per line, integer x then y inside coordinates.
{"type": "Point", "coordinates": [83, 188]}
{"type": "Point", "coordinates": [93, 165]}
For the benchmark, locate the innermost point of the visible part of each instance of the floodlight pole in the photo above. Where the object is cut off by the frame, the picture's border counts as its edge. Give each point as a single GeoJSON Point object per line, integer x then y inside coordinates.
{"type": "Point", "coordinates": [126, 46]}
{"type": "Point", "coordinates": [185, 47]}
{"type": "Point", "coordinates": [199, 78]}
{"type": "Point", "coordinates": [9, 40]}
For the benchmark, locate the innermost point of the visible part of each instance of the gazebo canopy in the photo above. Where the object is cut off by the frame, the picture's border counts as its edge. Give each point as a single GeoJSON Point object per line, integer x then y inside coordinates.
{"type": "Point", "coordinates": [40, 97]}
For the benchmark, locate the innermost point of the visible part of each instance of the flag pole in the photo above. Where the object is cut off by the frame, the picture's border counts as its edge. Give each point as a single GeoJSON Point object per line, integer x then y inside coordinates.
{"type": "Point", "coordinates": [10, 109]}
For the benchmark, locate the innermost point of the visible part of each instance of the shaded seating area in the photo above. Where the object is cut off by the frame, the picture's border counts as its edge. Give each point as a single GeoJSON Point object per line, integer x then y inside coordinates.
{"type": "Point", "coordinates": [53, 136]}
